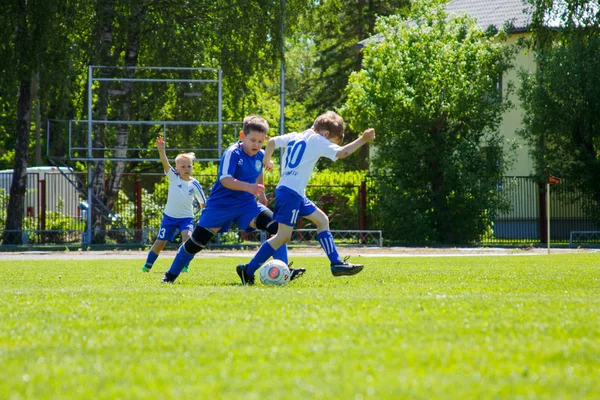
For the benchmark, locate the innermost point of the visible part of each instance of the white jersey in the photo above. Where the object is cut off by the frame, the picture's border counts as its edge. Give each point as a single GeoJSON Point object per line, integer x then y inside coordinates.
{"type": "Point", "coordinates": [302, 151]}
{"type": "Point", "coordinates": [181, 196]}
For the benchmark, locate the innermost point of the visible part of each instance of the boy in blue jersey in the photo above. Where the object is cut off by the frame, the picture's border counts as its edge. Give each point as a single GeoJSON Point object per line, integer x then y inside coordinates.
{"type": "Point", "coordinates": [233, 198]}
{"type": "Point", "coordinates": [179, 212]}
{"type": "Point", "coordinates": [302, 151]}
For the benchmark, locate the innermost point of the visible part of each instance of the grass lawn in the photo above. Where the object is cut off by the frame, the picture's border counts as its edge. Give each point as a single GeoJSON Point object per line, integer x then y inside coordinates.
{"type": "Point", "coordinates": [500, 327]}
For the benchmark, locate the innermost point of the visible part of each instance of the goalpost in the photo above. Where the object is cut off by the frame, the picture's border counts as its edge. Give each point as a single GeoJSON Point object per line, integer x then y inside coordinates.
{"type": "Point", "coordinates": [110, 74]}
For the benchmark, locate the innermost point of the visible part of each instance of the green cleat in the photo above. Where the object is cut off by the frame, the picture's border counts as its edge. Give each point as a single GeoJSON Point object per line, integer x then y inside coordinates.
{"type": "Point", "coordinates": [185, 269]}
{"type": "Point", "coordinates": [146, 269]}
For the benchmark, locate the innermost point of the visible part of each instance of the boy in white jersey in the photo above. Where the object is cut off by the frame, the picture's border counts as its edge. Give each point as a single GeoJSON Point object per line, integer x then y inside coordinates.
{"type": "Point", "coordinates": [302, 151]}
{"type": "Point", "coordinates": [179, 212]}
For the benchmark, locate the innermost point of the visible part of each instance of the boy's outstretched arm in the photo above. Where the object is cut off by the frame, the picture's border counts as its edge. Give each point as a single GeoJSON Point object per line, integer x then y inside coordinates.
{"type": "Point", "coordinates": [262, 199]}
{"type": "Point", "coordinates": [269, 149]}
{"type": "Point", "coordinates": [350, 148]}
{"type": "Point", "coordinates": [160, 145]}
{"type": "Point", "coordinates": [234, 184]}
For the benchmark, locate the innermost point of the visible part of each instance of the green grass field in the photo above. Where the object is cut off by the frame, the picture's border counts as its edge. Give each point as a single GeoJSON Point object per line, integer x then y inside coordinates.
{"type": "Point", "coordinates": [420, 328]}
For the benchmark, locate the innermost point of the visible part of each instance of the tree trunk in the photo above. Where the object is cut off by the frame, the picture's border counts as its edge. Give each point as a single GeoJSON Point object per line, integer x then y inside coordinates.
{"type": "Point", "coordinates": [104, 32]}
{"type": "Point", "coordinates": [115, 182]}
{"type": "Point", "coordinates": [16, 203]}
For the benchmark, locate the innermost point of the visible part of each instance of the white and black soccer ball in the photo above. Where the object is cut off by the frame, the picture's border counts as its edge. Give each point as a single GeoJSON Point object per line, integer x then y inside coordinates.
{"type": "Point", "coordinates": [274, 272]}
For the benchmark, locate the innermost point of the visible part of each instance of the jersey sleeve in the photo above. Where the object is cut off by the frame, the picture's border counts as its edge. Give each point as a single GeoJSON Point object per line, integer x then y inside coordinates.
{"type": "Point", "coordinates": [326, 148]}
{"type": "Point", "coordinates": [171, 175]}
{"type": "Point", "coordinates": [229, 163]}
{"type": "Point", "coordinates": [283, 140]}
{"type": "Point", "coordinates": [198, 192]}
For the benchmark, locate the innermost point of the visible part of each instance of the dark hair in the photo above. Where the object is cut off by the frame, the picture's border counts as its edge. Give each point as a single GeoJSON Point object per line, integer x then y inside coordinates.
{"type": "Point", "coordinates": [255, 123]}
{"type": "Point", "coordinates": [332, 122]}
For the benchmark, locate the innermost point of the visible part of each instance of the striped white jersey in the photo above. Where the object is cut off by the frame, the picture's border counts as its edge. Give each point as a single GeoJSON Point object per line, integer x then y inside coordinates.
{"type": "Point", "coordinates": [302, 151]}
{"type": "Point", "coordinates": [181, 196]}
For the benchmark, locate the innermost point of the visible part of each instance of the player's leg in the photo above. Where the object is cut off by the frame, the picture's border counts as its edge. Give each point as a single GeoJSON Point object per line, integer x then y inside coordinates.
{"type": "Point", "coordinates": [186, 252]}
{"type": "Point", "coordinates": [166, 233]}
{"type": "Point", "coordinates": [185, 235]}
{"type": "Point", "coordinates": [267, 250]}
{"type": "Point", "coordinates": [186, 228]}
{"type": "Point", "coordinates": [212, 216]}
{"type": "Point", "coordinates": [286, 214]}
{"type": "Point", "coordinates": [265, 222]}
{"type": "Point", "coordinates": [155, 250]}
{"type": "Point", "coordinates": [339, 267]}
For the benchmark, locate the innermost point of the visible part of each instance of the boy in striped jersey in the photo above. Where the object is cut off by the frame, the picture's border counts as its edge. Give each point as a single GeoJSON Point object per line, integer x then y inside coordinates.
{"type": "Point", "coordinates": [179, 211]}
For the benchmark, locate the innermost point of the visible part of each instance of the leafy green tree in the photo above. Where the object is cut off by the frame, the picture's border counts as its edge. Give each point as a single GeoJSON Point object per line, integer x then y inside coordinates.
{"type": "Point", "coordinates": [561, 98]}
{"type": "Point", "coordinates": [430, 90]}
{"type": "Point", "coordinates": [32, 24]}
{"type": "Point", "coordinates": [338, 27]}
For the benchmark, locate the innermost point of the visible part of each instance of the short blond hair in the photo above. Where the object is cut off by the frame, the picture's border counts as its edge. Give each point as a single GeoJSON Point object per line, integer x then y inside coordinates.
{"type": "Point", "coordinates": [188, 156]}
{"type": "Point", "coordinates": [331, 122]}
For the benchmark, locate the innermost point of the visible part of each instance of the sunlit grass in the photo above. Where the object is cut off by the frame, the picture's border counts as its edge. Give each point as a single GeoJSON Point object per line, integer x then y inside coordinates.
{"type": "Point", "coordinates": [443, 327]}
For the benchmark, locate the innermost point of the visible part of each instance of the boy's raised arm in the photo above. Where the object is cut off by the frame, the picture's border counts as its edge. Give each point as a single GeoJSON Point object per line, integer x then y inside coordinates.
{"type": "Point", "coordinates": [160, 145]}
{"type": "Point", "coordinates": [350, 148]}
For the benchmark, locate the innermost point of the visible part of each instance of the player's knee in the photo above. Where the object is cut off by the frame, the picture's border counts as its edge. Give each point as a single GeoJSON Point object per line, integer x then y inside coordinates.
{"type": "Point", "coordinates": [200, 237]}
{"type": "Point", "coordinates": [265, 222]}
{"type": "Point", "coordinates": [185, 235]}
{"type": "Point", "coordinates": [321, 220]}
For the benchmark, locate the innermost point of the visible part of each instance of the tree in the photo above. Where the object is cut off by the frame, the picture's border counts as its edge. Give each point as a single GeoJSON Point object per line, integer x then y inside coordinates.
{"type": "Point", "coordinates": [430, 90]}
{"type": "Point", "coordinates": [196, 33]}
{"type": "Point", "coordinates": [33, 22]}
{"type": "Point", "coordinates": [321, 53]}
{"type": "Point", "coordinates": [561, 98]}
{"type": "Point", "coordinates": [338, 27]}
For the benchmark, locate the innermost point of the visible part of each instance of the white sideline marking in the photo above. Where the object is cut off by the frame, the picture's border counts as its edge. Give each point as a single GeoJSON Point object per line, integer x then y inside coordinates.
{"type": "Point", "coordinates": [294, 253]}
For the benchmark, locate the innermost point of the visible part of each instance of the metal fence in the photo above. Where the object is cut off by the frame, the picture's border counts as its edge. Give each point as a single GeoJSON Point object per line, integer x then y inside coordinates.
{"type": "Point", "coordinates": [526, 221]}
{"type": "Point", "coordinates": [525, 224]}
{"type": "Point", "coordinates": [55, 212]}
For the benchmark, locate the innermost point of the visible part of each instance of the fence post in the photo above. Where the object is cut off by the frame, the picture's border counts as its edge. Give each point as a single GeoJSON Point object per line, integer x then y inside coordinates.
{"type": "Point", "coordinates": [542, 212]}
{"type": "Point", "coordinates": [362, 209]}
{"type": "Point", "coordinates": [42, 215]}
{"type": "Point", "coordinates": [362, 206]}
{"type": "Point", "coordinates": [138, 209]}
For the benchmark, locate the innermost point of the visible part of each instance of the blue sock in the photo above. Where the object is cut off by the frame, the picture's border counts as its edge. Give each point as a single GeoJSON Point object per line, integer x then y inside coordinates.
{"type": "Point", "coordinates": [182, 260]}
{"type": "Point", "coordinates": [281, 254]}
{"type": "Point", "coordinates": [325, 238]}
{"type": "Point", "coordinates": [152, 256]}
{"type": "Point", "coordinates": [263, 254]}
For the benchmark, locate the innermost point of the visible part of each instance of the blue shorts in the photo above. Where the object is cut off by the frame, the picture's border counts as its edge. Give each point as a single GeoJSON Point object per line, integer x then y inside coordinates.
{"type": "Point", "coordinates": [289, 206]}
{"type": "Point", "coordinates": [222, 216]}
{"type": "Point", "coordinates": [169, 226]}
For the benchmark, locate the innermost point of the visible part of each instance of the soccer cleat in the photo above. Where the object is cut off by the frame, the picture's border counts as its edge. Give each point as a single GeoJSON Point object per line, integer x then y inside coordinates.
{"type": "Point", "coordinates": [146, 269]}
{"type": "Point", "coordinates": [168, 278]}
{"type": "Point", "coordinates": [185, 269]}
{"type": "Point", "coordinates": [346, 268]}
{"type": "Point", "coordinates": [241, 271]}
{"type": "Point", "coordinates": [295, 272]}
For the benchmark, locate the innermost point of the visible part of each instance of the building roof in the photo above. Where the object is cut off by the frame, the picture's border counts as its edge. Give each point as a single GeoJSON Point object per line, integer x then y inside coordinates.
{"type": "Point", "coordinates": [496, 13]}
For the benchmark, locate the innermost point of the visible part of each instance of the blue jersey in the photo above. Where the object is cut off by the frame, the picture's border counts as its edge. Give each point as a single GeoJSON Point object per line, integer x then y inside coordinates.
{"type": "Point", "coordinates": [236, 164]}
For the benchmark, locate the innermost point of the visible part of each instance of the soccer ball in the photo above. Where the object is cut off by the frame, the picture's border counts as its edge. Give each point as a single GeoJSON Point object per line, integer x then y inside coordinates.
{"type": "Point", "coordinates": [274, 272]}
